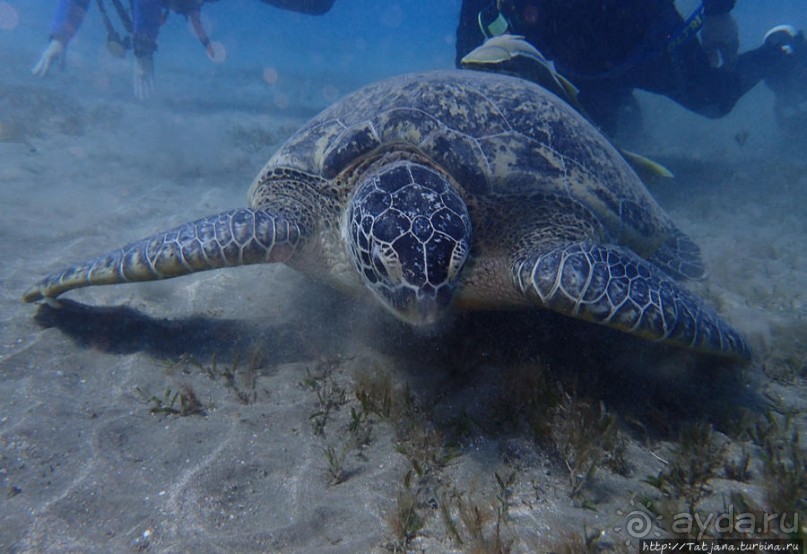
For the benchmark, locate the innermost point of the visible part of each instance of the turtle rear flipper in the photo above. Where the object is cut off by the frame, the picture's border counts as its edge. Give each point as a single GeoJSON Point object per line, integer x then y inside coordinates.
{"type": "Point", "coordinates": [680, 257]}
{"type": "Point", "coordinates": [237, 237]}
{"type": "Point", "coordinates": [614, 287]}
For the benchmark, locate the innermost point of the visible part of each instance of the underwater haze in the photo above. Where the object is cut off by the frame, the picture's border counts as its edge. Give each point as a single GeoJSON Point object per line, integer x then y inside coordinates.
{"type": "Point", "coordinates": [255, 410]}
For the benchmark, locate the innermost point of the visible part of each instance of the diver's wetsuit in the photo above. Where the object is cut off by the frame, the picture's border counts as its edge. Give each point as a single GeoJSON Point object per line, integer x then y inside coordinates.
{"type": "Point", "coordinates": [67, 19]}
{"type": "Point", "coordinates": [608, 48]}
{"type": "Point", "coordinates": [147, 16]}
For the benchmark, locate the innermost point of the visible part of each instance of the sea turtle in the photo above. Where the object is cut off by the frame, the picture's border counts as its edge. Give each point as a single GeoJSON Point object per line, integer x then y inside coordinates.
{"type": "Point", "coordinates": [450, 190]}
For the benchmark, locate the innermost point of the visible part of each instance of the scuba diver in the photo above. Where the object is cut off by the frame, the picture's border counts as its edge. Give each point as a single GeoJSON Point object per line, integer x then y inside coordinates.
{"type": "Point", "coordinates": [609, 48]}
{"type": "Point", "coordinates": [141, 20]}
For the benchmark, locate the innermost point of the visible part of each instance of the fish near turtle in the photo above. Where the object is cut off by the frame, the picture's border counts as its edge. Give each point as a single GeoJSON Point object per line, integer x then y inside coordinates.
{"type": "Point", "coordinates": [513, 55]}
{"type": "Point", "coordinates": [444, 191]}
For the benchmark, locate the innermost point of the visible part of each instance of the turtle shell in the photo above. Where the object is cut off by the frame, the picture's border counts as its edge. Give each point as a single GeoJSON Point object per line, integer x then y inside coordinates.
{"type": "Point", "coordinates": [498, 137]}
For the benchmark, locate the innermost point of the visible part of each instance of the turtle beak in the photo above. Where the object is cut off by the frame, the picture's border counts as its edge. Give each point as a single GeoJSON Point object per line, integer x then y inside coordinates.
{"type": "Point", "coordinates": [427, 308]}
{"type": "Point", "coordinates": [419, 307]}
{"type": "Point", "coordinates": [427, 312]}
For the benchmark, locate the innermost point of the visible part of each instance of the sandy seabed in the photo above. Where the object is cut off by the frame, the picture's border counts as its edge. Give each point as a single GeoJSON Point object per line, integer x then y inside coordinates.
{"type": "Point", "coordinates": [251, 410]}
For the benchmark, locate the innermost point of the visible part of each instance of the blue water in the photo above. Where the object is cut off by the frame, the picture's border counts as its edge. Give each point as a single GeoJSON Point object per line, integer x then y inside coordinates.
{"type": "Point", "coordinates": [356, 42]}
{"type": "Point", "coordinates": [366, 38]}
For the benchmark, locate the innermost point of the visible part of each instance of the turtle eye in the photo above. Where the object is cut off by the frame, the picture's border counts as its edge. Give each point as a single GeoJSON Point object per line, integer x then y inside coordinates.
{"type": "Point", "coordinates": [386, 262]}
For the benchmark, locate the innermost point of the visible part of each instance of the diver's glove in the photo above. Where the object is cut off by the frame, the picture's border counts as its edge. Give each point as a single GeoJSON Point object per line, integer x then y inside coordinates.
{"type": "Point", "coordinates": [720, 39]}
{"type": "Point", "coordinates": [53, 52]}
{"type": "Point", "coordinates": [143, 76]}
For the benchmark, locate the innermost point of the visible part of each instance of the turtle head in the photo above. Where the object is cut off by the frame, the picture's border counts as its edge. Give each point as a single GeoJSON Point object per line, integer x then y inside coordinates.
{"type": "Point", "coordinates": [410, 234]}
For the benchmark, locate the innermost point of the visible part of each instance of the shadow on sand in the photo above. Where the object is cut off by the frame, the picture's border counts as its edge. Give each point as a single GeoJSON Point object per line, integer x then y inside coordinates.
{"type": "Point", "coordinates": [124, 330]}
{"type": "Point", "coordinates": [663, 387]}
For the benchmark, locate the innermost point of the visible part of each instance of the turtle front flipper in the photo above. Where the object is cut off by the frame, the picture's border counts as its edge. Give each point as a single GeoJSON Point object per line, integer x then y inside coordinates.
{"type": "Point", "coordinates": [238, 237]}
{"type": "Point", "coordinates": [615, 287]}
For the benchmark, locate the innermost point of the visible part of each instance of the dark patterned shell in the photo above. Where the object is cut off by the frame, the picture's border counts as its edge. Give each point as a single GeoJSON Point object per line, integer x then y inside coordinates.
{"type": "Point", "coordinates": [496, 135]}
